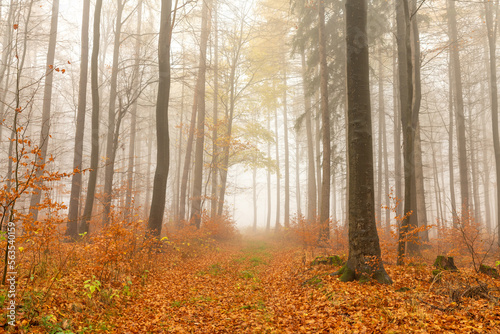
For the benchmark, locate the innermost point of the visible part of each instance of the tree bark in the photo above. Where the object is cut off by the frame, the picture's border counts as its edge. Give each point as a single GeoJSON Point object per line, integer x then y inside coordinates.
{"type": "Point", "coordinates": [287, 152]}
{"type": "Point", "coordinates": [76, 180]}
{"type": "Point", "coordinates": [129, 210]}
{"type": "Point", "coordinates": [398, 175]}
{"type": "Point", "coordinates": [268, 223]}
{"type": "Point", "coordinates": [364, 258]}
{"type": "Point", "coordinates": [215, 149]}
{"type": "Point", "coordinates": [278, 176]}
{"type": "Point", "coordinates": [94, 154]}
{"type": "Point", "coordinates": [200, 128]}
{"type": "Point", "coordinates": [109, 170]}
{"type": "Point", "coordinates": [46, 106]}
{"type": "Point", "coordinates": [492, 33]}
{"type": "Point", "coordinates": [325, 130]}
{"type": "Point", "coordinates": [311, 172]}
{"type": "Point", "coordinates": [162, 138]}
{"type": "Point", "coordinates": [459, 109]}
{"type": "Point", "coordinates": [451, 147]}
{"type": "Point", "coordinates": [417, 97]}
{"type": "Point", "coordinates": [409, 120]}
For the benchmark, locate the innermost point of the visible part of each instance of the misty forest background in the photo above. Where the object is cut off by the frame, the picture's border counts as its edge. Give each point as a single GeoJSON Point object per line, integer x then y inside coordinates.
{"type": "Point", "coordinates": [131, 129]}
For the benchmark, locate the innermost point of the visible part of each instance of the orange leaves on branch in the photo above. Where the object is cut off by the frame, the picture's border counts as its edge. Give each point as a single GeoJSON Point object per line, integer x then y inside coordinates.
{"type": "Point", "coordinates": [16, 26]}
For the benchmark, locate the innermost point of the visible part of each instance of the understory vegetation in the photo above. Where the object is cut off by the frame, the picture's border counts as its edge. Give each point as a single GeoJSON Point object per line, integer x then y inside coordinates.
{"type": "Point", "coordinates": [213, 280]}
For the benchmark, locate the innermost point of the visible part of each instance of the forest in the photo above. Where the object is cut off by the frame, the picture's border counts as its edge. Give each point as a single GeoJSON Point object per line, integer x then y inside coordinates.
{"type": "Point", "coordinates": [249, 166]}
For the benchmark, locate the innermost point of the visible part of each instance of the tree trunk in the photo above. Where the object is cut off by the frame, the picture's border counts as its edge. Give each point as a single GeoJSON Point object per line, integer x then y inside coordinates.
{"type": "Point", "coordinates": [268, 224]}
{"type": "Point", "coordinates": [162, 138]}
{"type": "Point", "coordinates": [364, 250]}
{"type": "Point", "coordinates": [110, 147]}
{"type": "Point", "coordinates": [318, 154]}
{"type": "Point", "coordinates": [417, 97]}
{"type": "Point", "coordinates": [278, 185]}
{"type": "Point", "coordinates": [215, 150]}
{"type": "Point", "coordinates": [381, 112]}
{"type": "Point", "coordinates": [474, 171]}
{"type": "Point", "coordinates": [232, 102]}
{"type": "Point", "coordinates": [409, 121]}
{"type": "Point", "coordinates": [147, 203]}
{"type": "Point", "coordinates": [451, 146]}
{"type": "Point", "coordinates": [459, 109]}
{"type": "Point", "coordinates": [254, 192]}
{"type": "Point", "coordinates": [187, 159]}
{"type": "Point", "coordinates": [94, 154]}
{"type": "Point", "coordinates": [46, 106]}
{"type": "Point", "coordinates": [311, 174]}
{"type": "Point", "coordinates": [325, 118]}
{"type": "Point", "coordinates": [297, 175]}
{"type": "Point", "coordinates": [129, 210]}
{"type": "Point", "coordinates": [287, 152]}
{"type": "Point", "coordinates": [6, 59]}
{"type": "Point", "coordinates": [76, 181]}
{"type": "Point", "coordinates": [492, 33]}
{"type": "Point", "coordinates": [200, 128]}
{"type": "Point", "coordinates": [397, 139]}
{"type": "Point", "coordinates": [419, 177]}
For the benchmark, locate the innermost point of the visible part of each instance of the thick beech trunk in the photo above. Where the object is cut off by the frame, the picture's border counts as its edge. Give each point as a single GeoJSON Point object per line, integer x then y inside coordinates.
{"type": "Point", "coordinates": [364, 250]}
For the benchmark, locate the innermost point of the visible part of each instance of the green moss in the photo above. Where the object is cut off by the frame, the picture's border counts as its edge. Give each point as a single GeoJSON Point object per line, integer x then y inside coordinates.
{"type": "Point", "coordinates": [348, 274]}
{"type": "Point", "coordinates": [332, 260]}
{"type": "Point", "coordinates": [382, 277]}
{"type": "Point", "coordinates": [490, 271]}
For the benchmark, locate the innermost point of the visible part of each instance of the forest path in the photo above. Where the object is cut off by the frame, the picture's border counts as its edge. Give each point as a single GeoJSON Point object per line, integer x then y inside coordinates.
{"type": "Point", "coordinates": [247, 288]}
{"type": "Point", "coordinates": [263, 286]}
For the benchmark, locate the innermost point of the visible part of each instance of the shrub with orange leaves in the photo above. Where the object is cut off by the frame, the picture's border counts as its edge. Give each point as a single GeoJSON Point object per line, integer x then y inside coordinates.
{"type": "Point", "coordinates": [221, 228]}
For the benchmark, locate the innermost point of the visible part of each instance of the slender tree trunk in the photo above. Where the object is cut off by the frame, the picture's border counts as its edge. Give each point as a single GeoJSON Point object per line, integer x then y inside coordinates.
{"type": "Point", "coordinates": [459, 109]}
{"type": "Point", "coordinates": [46, 106]}
{"type": "Point", "coordinates": [200, 128]}
{"type": "Point", "coordinates": [381, 114]}
{"type": "Point", "coordinates": [6, 59]}
{"type": "Point", "coordinates": [129, 210]}
{"type": "Point", "coordinates": [76, 181]}
{"type": "Point", "coordinates": [311, 174]}
{"type": "Point", "coordinates": [398, 175]}
{"type": "Point", "coordinates": [419, 176]}
{"type": "Point", "coordinates": [297, 174]}
{"type": "Point", "coordinates": [364, 248]}
{"type": "Point", "coordinates": [162, 138]}
{"type": "Point", "coordinates": [94, 154]}
{"type": "Point", "coordinates": [407, 242]}
{"type": "Point", "coordinates": [254, 192]}
{"type": "Point", "coordinates": [287, 152]}
{"type": "Point", "coordinates": [110, 147]}
{"type": "Point", "coordinates": [416, 101]}
{"type": "Point", "coordinates": [215, 150]}
{"type": "Point", "coordinates": [268, 224]}
{"type": "Point", "coordinates": [474, 171]}
{"type": "Point", "coordinates": [318, 154]}
{"type": "Point", "coordinates": [147, 203]}
{"type": "Point", "coordinates": [486, 168]}
{"type": "Point", "coordinates": [325, 118]}
{"type": "Point", "coordinates": [492, 33]}
{"type": "Point", "coordinates": [451, 147]}
{"type": "Point", "coordinates": [187, 159]}
{"type": "Point", "coordinates": [278, 176]}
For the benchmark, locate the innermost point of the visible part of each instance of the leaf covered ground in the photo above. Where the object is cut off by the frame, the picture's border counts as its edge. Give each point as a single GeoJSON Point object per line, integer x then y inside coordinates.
{"type": "Point", "coordinates": [262, 286]}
